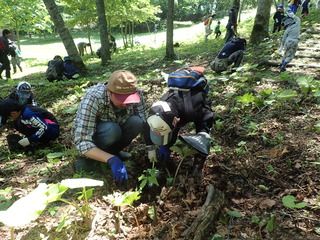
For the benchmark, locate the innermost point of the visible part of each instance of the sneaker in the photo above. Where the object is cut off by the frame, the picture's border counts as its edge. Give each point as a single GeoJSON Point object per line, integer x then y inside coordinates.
{"type": "Point", "coordinates": [85, 164]}
{"type": "Point", "coordinates": [124, 155]}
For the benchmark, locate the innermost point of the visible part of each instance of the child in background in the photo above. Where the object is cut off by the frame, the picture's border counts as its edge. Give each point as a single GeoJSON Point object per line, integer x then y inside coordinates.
{"type": "Point", "coordinates": [37, 124]}
{"type": "Point", "coordinates": [23, 94]}
{"type": "Point", "coordinates": [278, 17]}
{"type": "Point", "coordinates": [217, 30]}
{"type": "Point", "coordinates": [16, 57]}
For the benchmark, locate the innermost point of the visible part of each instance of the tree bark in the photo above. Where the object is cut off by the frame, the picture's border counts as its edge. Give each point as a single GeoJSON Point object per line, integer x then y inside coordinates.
{"type": "Point", "coordinates": [103, 28]}
{"type": "Point", "coordinates": [65, 36]}
{"type": "Point", "coordinates": [260, 29]}
{"type": "Point", "coordinates": [169, 45]}
{"type": "Point", "coordinates": [208, 214]}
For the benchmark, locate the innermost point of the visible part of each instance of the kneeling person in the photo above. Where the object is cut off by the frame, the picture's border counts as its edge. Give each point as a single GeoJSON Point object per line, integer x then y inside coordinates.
{"type": "Point", "coordinates": [232, 52]}
{"type": "Point", "coordinates": [175, 109]}
{"type": "Point", "coordinates": [109, 117]}
{"type": "Point", "coordinates": [37, 124]}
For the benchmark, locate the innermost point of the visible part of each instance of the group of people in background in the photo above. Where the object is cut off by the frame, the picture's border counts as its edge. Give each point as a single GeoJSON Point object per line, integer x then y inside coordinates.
{"type": "Point", "coordinates": [233, 51]}
{"type": "Point", "coordinates": [58, 68]}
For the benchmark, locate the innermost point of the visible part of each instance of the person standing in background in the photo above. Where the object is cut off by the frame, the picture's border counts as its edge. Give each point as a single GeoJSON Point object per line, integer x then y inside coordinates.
{"type": "Point", "coordinates": [4, 51]}
{"type": "Point", "coordinates": [207, 25]}
{"type": "Point", "coordinates": [277, 17]}
{"type": "Point", "coordinates": [232, 23]}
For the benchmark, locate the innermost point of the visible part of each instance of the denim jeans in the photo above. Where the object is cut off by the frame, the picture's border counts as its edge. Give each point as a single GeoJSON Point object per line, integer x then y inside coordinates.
{"type": "Point", "coordinates": [112, 138]}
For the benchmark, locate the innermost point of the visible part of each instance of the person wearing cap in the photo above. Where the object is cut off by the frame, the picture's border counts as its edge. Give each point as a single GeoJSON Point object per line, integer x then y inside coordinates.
{"type": "Point", "coordinates": [290, 39]}
{"type": "Point", "coordinates": [23, 94]}
{"type": "Point", "coordinates": [278, 17]}
{"type": "Point", "coordinates": [70, 70]}
{"type": "Point", "coordinates": [37, 124]}
{"type": "Point", "coordinates": [168, 115]}
{"type": "Point", "coordinates": [109, 117]}
{"type": "Point", "coordinates": [231, 53]}
{"type": "Point", "coordinates": [208, 29]}
{"type": "Point", "coordinates": [4, 60]}
{"type": "Point", "coordinates": [232, 23]}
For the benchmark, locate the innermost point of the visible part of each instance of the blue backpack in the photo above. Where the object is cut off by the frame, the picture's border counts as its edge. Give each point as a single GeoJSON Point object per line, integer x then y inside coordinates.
{"type": "Point", "coordinates": [188, 78]}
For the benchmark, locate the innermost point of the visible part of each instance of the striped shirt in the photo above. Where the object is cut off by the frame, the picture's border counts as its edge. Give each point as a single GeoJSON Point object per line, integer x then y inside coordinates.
{"type": "Point", "coordinates": [95, 107]}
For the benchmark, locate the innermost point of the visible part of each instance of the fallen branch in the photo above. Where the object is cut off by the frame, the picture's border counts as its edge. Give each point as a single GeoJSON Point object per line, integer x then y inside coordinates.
{"type": "Point", "coordinates": [207, 215]}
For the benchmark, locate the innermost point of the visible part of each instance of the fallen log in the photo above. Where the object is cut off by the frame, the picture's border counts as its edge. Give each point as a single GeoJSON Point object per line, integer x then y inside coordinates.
{"type": "Point", "coordinates": [312, 32]}
{"type": "Point", "coordinates": [293, 64]}
{"type": "Point", "coordinates": [307, 56]}
{"type": "Point", "coordinates": [309, 48]}
{"type": "Point", "coordinates": [208, 214]}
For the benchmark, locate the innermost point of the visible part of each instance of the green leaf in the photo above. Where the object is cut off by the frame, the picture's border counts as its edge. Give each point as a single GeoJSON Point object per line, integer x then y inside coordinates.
{"type": "Point", "coordinates": [56, 155]}
{"type": "Point", "coordinates": [130, 197]}
{"type": "Point", "coordinates": [26, 209]}
{"type": "Point", "coordinates": [287, 94]}
{"type": "Point", "coordinates": [289, 201]}
{"type": "Point", "coordinates": [55, 191]}
{"type": "Point", "coordinates": [234, 214]}
{"type": "Point", "coordinates": [177, 149]}
{"type": "Point", "coordinates": [81, 182]}
{"type": "Point", "coordinates": [255, 219]}
{"type": "Point", "coordinates": [89, 193]}
{"type": "Point", "coordinates": [304, 84]}
{"type": "Point", "coordinates": [271, 223]}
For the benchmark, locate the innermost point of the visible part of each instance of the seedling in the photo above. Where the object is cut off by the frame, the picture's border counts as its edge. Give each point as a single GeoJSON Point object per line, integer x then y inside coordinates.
{"type": "Point", "coordinates": [185, 152]}
{"type": "Point", "coordinates": [242, 147]}
{"type": "Point", "coordinates": [118, 199]}
{"type": "Point", "coordinates": [149, 177]}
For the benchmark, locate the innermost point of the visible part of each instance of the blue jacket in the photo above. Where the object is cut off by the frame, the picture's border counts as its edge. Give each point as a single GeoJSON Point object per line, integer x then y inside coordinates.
{"type": "Point", "coordinates": [37, 124]}
{"type": "Point", "coordinates": [231, 47]}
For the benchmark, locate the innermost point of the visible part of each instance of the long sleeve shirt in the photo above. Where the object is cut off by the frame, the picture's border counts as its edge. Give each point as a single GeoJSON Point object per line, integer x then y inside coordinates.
{"type": "Point", "coordinates": [35, 122]}
{"type": "Point", "coordinates": [96, 106]}
{"type": "Point", "coordinates": [292, 31]}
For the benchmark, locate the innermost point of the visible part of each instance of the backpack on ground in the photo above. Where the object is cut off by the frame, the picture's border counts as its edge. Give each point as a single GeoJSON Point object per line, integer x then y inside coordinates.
{"type": "Point", "coordinates": [188, 78]}
{"type": "Point", "coordinates": [206, 21]}
{"type": "Point", "coordinates": [51, 72]}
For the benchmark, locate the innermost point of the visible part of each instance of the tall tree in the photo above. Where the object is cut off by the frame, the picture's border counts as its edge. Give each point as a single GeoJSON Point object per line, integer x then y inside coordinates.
{"type": "Point", "coordinates": [260, 29]}
{"type": "Point", "coordinates": [169, 44]}
{"type": "Point", "coordinates": [105, 48]}
{"type": "Point", "coordinates": [24, 15]}
{"type": "Point", "coordinates": [65, 35]}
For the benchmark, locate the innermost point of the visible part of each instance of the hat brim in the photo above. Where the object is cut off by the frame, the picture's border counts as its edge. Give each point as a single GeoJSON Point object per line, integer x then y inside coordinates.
{"type": "Point", "coordinates": [160, 140]}
{"type": "Point", "coordinates": [127, 98]}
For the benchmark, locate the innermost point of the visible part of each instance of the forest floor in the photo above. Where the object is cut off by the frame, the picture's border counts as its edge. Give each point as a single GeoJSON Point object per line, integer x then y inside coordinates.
{"type": "Point", "coordinates": [260, 181]}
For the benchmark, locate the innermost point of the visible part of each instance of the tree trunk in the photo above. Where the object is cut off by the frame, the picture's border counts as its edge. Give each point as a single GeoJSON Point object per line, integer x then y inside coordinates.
{"type": "Point", "coordinates": [103, 28]}
{"type": "Point", "coordinates": [260, 29]}
{"type": "Point", "coordinates": [169, 45]}
{"type": "Point", "coordinates": [65, 35]}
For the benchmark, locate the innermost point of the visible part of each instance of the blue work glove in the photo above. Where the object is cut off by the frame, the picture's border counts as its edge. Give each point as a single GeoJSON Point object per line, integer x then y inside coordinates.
{"type": "Point", "coordinates": [164, 153]}
{"type": "Point", "coordinates": [119, 171]}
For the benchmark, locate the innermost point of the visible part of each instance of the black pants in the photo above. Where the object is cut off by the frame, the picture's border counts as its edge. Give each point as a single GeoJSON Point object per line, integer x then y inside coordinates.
{"type": "Point", "coordinates": [4, 60]}
{"type": "Point", "coordinates": [276, 27]}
